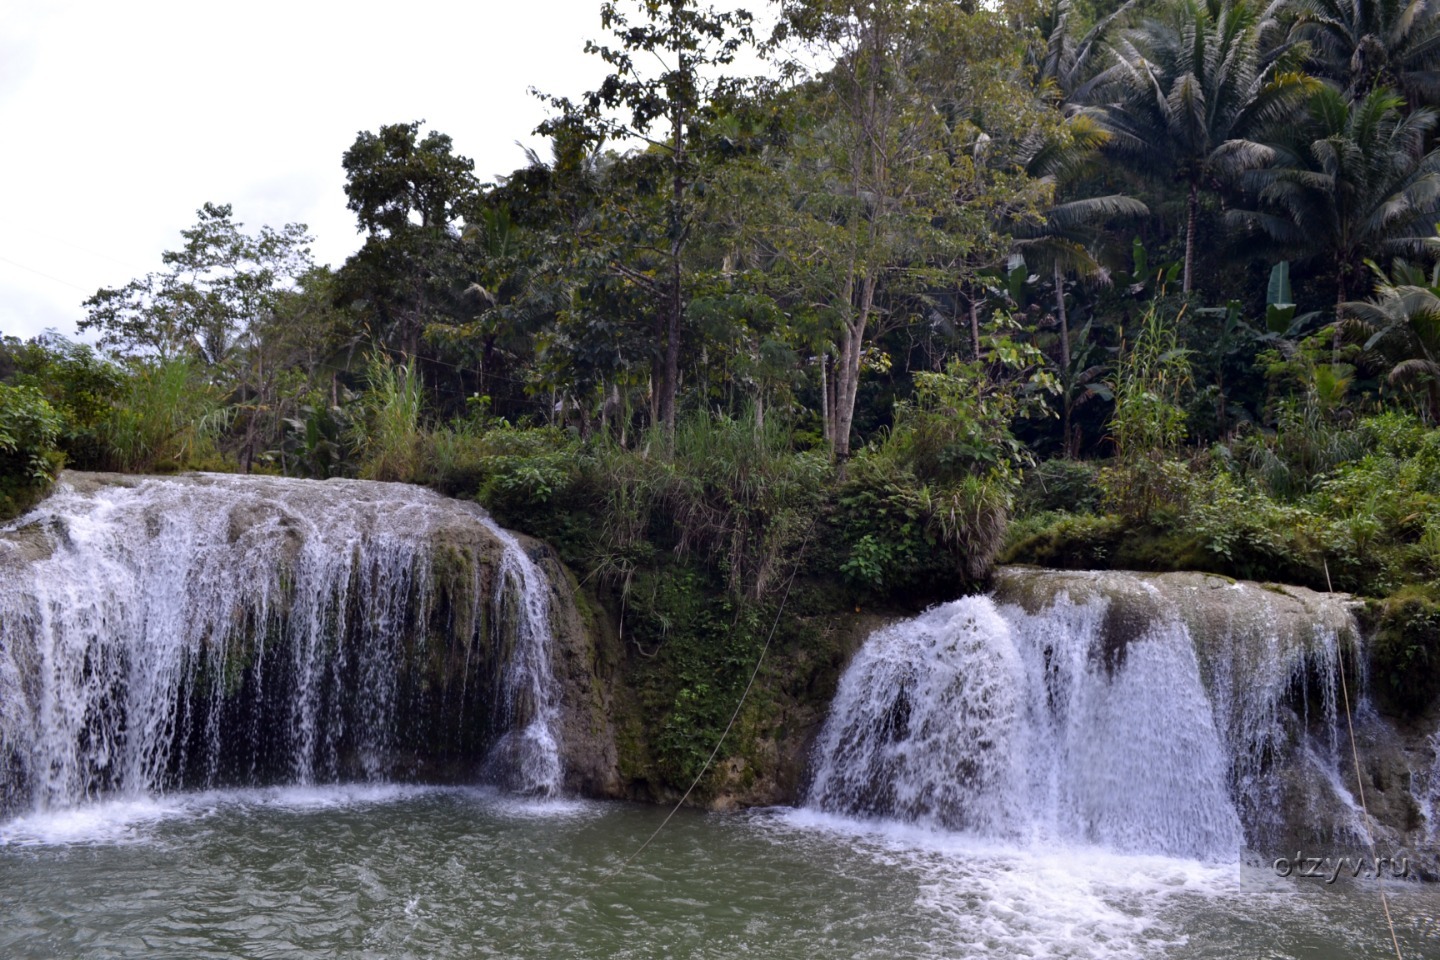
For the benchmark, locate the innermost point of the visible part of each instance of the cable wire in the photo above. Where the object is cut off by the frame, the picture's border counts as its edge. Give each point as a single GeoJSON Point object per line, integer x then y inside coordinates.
{"type": "Point", "coordinates": [733, 717]}
{"type": "Point", "coordinates": [1360, 787]}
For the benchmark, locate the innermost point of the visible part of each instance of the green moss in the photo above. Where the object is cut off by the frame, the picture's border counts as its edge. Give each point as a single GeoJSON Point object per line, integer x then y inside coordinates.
{"type": "Point", "coordinates": [1405, 649]}
{"type": "Point", "coordinates": [1071, 542]}
{"type": "Point", "coordinates": [688, 652]}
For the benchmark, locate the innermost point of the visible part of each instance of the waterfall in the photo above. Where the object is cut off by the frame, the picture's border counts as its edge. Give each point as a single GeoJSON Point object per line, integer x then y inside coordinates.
{"type": "Point", "coordinates": [527, 758]}
{"type": "Point", "coordinates": [1142, 714]}
{"type": "Point", "coordinates": [212, 630]}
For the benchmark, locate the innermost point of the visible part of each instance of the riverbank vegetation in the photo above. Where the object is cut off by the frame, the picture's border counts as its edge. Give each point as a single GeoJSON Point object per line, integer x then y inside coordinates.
{"type": "Point", "coordinates": [1086, 283]}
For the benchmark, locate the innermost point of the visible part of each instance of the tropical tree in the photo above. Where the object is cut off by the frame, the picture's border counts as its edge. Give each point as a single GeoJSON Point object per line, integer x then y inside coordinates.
{"type": "Point", "coordinates": [1192, 92]}
{"type": "Point", "coordinates": [409, 195]}
{"type": "Point", "coordinates": [1353, 180]}
{"type": "Point", "coordinates": [1063, 63]}
{"type": "Point", "coordinates": [215, 289]}
{"type": "Point", "coordinates": [906, 168]}
{"type": "Point", "coordinates": [1364, 45]}
{"type": "Point", "coordinates": [663, 108]}
{"type": "Point", "coordinates": [1400, 326]}
{"type": "Point", "coordinates": [551, 312]}
{"type": "Point", "coordinates": [1066, 241]}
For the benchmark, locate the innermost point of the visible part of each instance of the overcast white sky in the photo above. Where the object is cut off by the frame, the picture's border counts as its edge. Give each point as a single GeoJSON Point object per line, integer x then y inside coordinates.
{"type": "Point", "coordinates": [120, 119]}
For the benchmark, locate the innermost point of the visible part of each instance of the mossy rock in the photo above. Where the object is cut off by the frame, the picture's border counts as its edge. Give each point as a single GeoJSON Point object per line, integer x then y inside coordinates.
{"type": "Point", "coordinates": [1073, 542]}
{"type": "Point", "coordinates": [1405, 650]}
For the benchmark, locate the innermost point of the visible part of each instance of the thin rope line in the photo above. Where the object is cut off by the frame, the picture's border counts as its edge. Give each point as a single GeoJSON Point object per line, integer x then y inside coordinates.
{"type": "Point", "coordinates": [733, 717]}
{"type": "Point", "coordinates": [40, 273]}
{"type": "Point", "coordinates": [1360, 786]}
{"type": "Point", "coordinates": [594, 885]}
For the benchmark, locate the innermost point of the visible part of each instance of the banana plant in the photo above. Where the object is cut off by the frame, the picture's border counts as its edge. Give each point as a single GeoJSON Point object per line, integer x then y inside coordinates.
{"type": "Point", "coordinates": [1281, 321]}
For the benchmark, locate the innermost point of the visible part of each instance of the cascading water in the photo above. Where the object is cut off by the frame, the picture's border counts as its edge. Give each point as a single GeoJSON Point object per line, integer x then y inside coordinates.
{"type": "Point", "coordinates": [1141, 714]}
{"type": "Point", "coordinates": [527, 758]}
{"type": "Point", "coordinates": [214, 630]}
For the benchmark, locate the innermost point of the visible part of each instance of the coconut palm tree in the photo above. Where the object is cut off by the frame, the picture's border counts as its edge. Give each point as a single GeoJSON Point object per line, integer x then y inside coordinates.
{"type": "Point", "coordinates": [1063, 62]}
{"type": "Point", "coordinates": [1064, 243]}
{"type": "Point", "coordinates": [1364, 45]}
{"type": "Point", "coordinates": [1401, 327]}
{"type": "Point", "coordinates": [1191, 94]}
{"type": "Point", "coordinates": [1354, 180]}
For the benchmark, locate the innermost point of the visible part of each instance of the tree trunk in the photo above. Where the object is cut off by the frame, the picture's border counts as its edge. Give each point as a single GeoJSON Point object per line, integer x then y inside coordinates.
{"type": "Point", "coordinates": [622, 413]}
{"type": "Point", "coordinates": [975, 326]}
{"type": "Point", "coordinates": [1341, 289]}
{"type": "Point", "coordinates": [1063, 317]}
{"type": "Point", "coordinates": [1221, 411]}
{"type": "Point", "coordinates": [670, 381]}
{"type": "Point", "coordinates": [670, 374]}
{"type": "Point", "coordinates": [827, 400]}
{"type": "Point", "coordinates": [1192, 213]}
{"type": "Point", "coordinates": [847, 377]}
{"type": "Point", "coordinates": [1067, 398]}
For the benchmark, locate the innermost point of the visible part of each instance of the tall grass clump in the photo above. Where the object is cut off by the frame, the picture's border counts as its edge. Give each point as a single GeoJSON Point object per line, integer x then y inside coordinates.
{"type": "Point", "coordinates": [741, 495]}
{"type": "Point", "coordinates": [1148, 424]}
{"type": "Point", "coordinates": [391, 439]}
{"type": "Point", "coordinates": [168, 416]}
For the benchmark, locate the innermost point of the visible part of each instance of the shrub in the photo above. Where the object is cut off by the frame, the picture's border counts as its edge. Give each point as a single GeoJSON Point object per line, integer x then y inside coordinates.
{"type": "Point", "coordinates": [1248, 534]}
{"type": "Point", "coordinates": [29, 459]}
{"type": "Point", "coordinates": [890, 547]}
{"type": "Point", "coordinates": [79, 385]}
{"type": "Point", "coordinates": [1071, 485]}
{"type": "Point", "coordinates": [1072, 542]}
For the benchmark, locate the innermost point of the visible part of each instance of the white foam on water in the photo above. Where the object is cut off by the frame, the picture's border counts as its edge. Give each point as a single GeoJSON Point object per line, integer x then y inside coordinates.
{"type": "Point", "coordinates": [989, 898]}
{"type": "Point", "coordinates": [305, 799]}
{"type": "Point", "coordinates": [513, 807]}
{"type": "Point", "coordinates": [107, 822]}
{"type": "Point", "coordinates": [133, 820]}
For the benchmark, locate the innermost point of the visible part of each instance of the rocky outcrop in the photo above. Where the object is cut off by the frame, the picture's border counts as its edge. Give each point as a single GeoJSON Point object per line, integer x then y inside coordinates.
{"type": "Point", "coordinates": [585, 665]}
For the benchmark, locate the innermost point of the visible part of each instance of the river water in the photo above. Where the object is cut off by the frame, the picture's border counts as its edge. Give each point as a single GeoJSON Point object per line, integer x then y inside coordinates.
{"type": "Point", "coordinates": [400, 872]}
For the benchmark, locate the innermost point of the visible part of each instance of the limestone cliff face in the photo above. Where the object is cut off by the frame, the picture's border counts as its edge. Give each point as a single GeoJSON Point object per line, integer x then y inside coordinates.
{"type": "Point", "coordinates": [765, 758]}
{"type": "Point", "coordinates": [586, 657]}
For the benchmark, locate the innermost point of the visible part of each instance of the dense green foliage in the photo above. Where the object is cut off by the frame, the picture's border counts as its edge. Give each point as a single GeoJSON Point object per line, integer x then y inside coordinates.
{"type": "Point", "coordinates": [29, 429]}
{"type": "Point", "coordinates": [1149, 284]}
